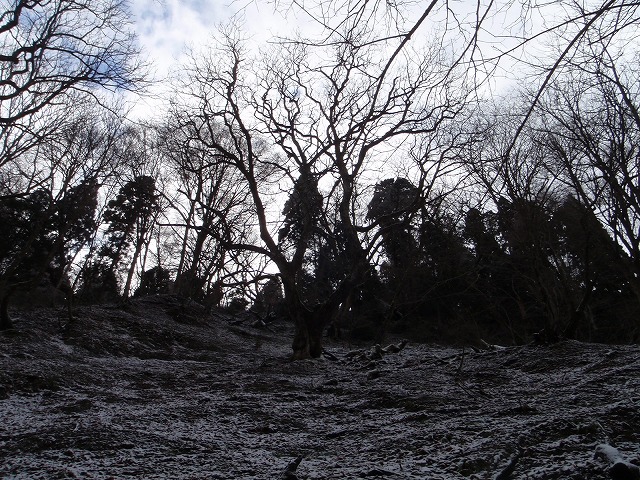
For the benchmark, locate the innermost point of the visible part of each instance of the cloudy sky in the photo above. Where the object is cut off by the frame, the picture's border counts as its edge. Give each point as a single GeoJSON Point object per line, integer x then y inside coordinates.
{"type": "Point", "coordinates": [166, 27]}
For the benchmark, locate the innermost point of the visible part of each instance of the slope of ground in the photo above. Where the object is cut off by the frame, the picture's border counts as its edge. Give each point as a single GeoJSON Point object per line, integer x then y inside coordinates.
{"type": "Point", "coordinates": [157, 389]}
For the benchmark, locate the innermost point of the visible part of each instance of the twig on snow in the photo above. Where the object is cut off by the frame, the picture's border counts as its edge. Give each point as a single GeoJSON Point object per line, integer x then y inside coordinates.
{"type": "Point", "coordinates": [459, 369]}
{"type": "Point", "coordinates": [492, 347]}
{"type": "Point", "coordinates": [290, 472]}
{"type": "Point", "coordinates": [329, 355]}
{"type": "Point", "coordinates": [507, 471]}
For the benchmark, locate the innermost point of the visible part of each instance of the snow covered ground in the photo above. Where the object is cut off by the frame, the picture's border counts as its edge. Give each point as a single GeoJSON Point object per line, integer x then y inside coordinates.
{"type": "Point", "coordinates": [155, 390]}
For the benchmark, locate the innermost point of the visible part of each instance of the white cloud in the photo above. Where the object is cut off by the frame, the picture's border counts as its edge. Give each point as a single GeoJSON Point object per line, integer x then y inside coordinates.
{"type": "Point", "coordinates": [167, 28]}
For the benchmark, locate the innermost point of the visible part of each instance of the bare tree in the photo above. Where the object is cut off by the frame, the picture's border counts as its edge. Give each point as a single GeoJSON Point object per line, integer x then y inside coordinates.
{"type": "Point", "coordinates": [67, 169]}
{"type": "Point", "coordinates": [211, 204]}
{"type": "Point", "coordinates": [336, 110]}
{"type": "Point", "coordinates": [592, 126]}
{"type": "Point", "coordinates": [51, 48]}
{"type": "Point", "coordinates": [56, 57]}
{"type": "Point", "coordinates": [546, 39]}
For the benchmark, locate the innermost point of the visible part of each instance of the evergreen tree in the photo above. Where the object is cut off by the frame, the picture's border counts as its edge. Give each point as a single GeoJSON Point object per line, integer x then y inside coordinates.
{"type": "Point", "coordinates": [41, 234]}
{"type": "Point", "coordinates": [130, 216]}
{"type": "Point", "coordinates": [153, 281]}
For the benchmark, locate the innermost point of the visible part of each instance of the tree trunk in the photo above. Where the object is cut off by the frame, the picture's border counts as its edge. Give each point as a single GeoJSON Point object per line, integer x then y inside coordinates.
{"type": "Point", "coordinates": [307, 340]}
{"type": "Point", "coordinates": [311, 322]}
{"type": "Point", "coordinates": [132, 268]}
{"type": "Point", "coordinates": [5, 320]}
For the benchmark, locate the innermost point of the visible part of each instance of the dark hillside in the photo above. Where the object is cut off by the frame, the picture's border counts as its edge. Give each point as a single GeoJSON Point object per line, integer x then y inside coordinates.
{"type": "Point", "coordinates": [157, 389]}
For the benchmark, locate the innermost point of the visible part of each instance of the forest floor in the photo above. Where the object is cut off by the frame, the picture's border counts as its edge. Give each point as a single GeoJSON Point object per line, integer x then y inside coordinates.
{"type": "Point", "coordinates": [156, 390]}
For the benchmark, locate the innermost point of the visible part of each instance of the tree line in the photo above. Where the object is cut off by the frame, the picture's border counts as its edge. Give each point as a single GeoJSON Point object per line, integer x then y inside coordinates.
{"type": "Point", "coordinates": [363, 179]}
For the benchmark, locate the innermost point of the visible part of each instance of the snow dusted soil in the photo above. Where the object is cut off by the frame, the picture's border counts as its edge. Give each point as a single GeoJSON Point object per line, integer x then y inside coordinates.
{"type": "Point", "coordinates": [155, 390]}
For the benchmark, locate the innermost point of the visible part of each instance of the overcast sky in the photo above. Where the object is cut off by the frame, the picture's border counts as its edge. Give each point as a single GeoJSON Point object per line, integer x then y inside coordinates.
{"type": "Point", "coordinates": [166, 28]}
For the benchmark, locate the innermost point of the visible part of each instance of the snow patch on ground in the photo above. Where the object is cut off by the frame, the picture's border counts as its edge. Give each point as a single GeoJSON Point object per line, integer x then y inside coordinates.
{"type": "Point", "coordinates": [159, 390]}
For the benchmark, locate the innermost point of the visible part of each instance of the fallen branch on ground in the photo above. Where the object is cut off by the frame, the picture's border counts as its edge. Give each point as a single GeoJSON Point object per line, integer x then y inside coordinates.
{"type": "Point", "coordinates": [621, 468]}
{"type": "Point", "coordinates": [376, 352]}
{"type": "Point", "coordinates": [507, 471]}
{"type": "Point", "coordinates": [290, 471]}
